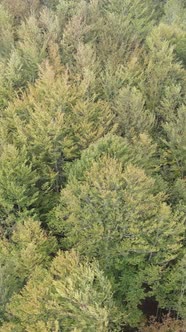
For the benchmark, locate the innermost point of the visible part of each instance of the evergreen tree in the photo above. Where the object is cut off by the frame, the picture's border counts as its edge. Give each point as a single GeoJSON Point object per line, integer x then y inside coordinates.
{"type": "Point", "coordinates": [6, 32]}
{"type": "Point", "coordinates": [111, 213]}
{"type": "Point", "coordinates": [92, 144]}
{"type": "Point", "coordinates": [132, 117]}
{"type": "Point", "coordinates": [176, 142]}
{"type": "Point", "coordinates": [18, 192]}
{"type": "Point", "coordinates": [27, 248]}
{"type": "Point", "coordinates": [71, 296]}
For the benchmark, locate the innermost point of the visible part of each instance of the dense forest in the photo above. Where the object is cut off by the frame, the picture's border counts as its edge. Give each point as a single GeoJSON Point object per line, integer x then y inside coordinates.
{"type": "Point", "coordinates": [92, 165]}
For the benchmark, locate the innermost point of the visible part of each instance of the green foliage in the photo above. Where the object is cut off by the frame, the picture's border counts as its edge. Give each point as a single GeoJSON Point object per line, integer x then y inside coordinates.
{"type": "Point", "coordinates": [171, 292]}
{"type": "Point", "coordinates": [126, 25]}
{"type": "Point", "coordinates": [112, 214]}
{"type": "Point", "coordinates": [54, 125]}
{"type": "Point", "coordinates": [132, 117]}
{"type": "Point", "coordinates": [6, 32]}
{"type": "Point", "coordinates": [140, 152]}
{"type": "Point", "coordinates": [161, 70]}
{"type": "Point", "coordinates": [72, 294]}
{"type": "Point", "coordinates": [27, 248]}
{"type": "Point", "coordinates": [92, 145]}
{"type": "Point", "coordinates": [176, 142]}
{"type": "Point", "coordinates": [21, 9]}
{"type": "Point", "coordinates": [181, 50]}
{"type": "Point", "coordinates": [175, 12]}
{"type": "Point", "coordinates": [18, 193]}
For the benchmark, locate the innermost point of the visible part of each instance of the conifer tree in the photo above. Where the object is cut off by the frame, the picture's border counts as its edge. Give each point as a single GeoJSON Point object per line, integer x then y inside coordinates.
{"type": "Point", "coordinates": [161, 71]}
{"type": "Point", "coordinates": [6, 32]}
{"type": "Point", "coordinates": [55, 125]}
{"type": "Point", "coordinates": [26, 249]}
{"type": "Point", "coordinates": [18, 191]}
{"type": "Point", "coordinates": [111, 213]}
{"type": "Point", "coordinates": [71, 296]}
{"type": "Point", "coordinates": [132, 116]}
{"type": "Point", "coordinates": [175, 131]}
{"type": "Point", "coordinates": [92, 144]}
{"type": "Point", "coordinates": [171, 291]}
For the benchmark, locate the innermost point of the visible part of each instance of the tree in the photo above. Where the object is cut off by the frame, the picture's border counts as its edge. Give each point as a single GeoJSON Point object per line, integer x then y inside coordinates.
{"type": "Point", "coordinates": [26, 249]}
{"type": "Point", "coordinates": [71, 296]}
{"type": "Point", "coordinates": [171, 292]}
{"type": "Point", "coordinates": [132, 116]}
{"type": "Point", "coordinates": [161, 71]}
{"type": "Point", "coordinates": [92, 144]}
{"type": "Point", "coordinates": [18, 191]}
{"type": "Point", "coordinates": [175, 153]}
{"type": "Point", "coordinates": [110, 211]}
{"type": "Point", "coordinates": [175, 12]}
{"type": "Point", "coordinates": [55, 126]}
{"type": "Point", "coordinates": [125, 25]}
{"type": "Point", "coordinates": [6, 32]}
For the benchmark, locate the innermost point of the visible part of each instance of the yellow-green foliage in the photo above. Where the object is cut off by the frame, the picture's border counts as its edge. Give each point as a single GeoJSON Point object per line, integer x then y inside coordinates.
{"type": "Point", "coordinates": [71, 294]}
{"type": "Point", "coordinates": [92, 159]}
{"type": "Point", "coordinates": [27, 249]}
{"type": "Point", "coordinates": [112, 214]}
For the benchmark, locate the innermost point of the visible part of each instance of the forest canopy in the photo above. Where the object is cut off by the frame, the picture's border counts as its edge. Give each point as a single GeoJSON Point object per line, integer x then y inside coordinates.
{"type": "Point", "coordinates": [92, 165]}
